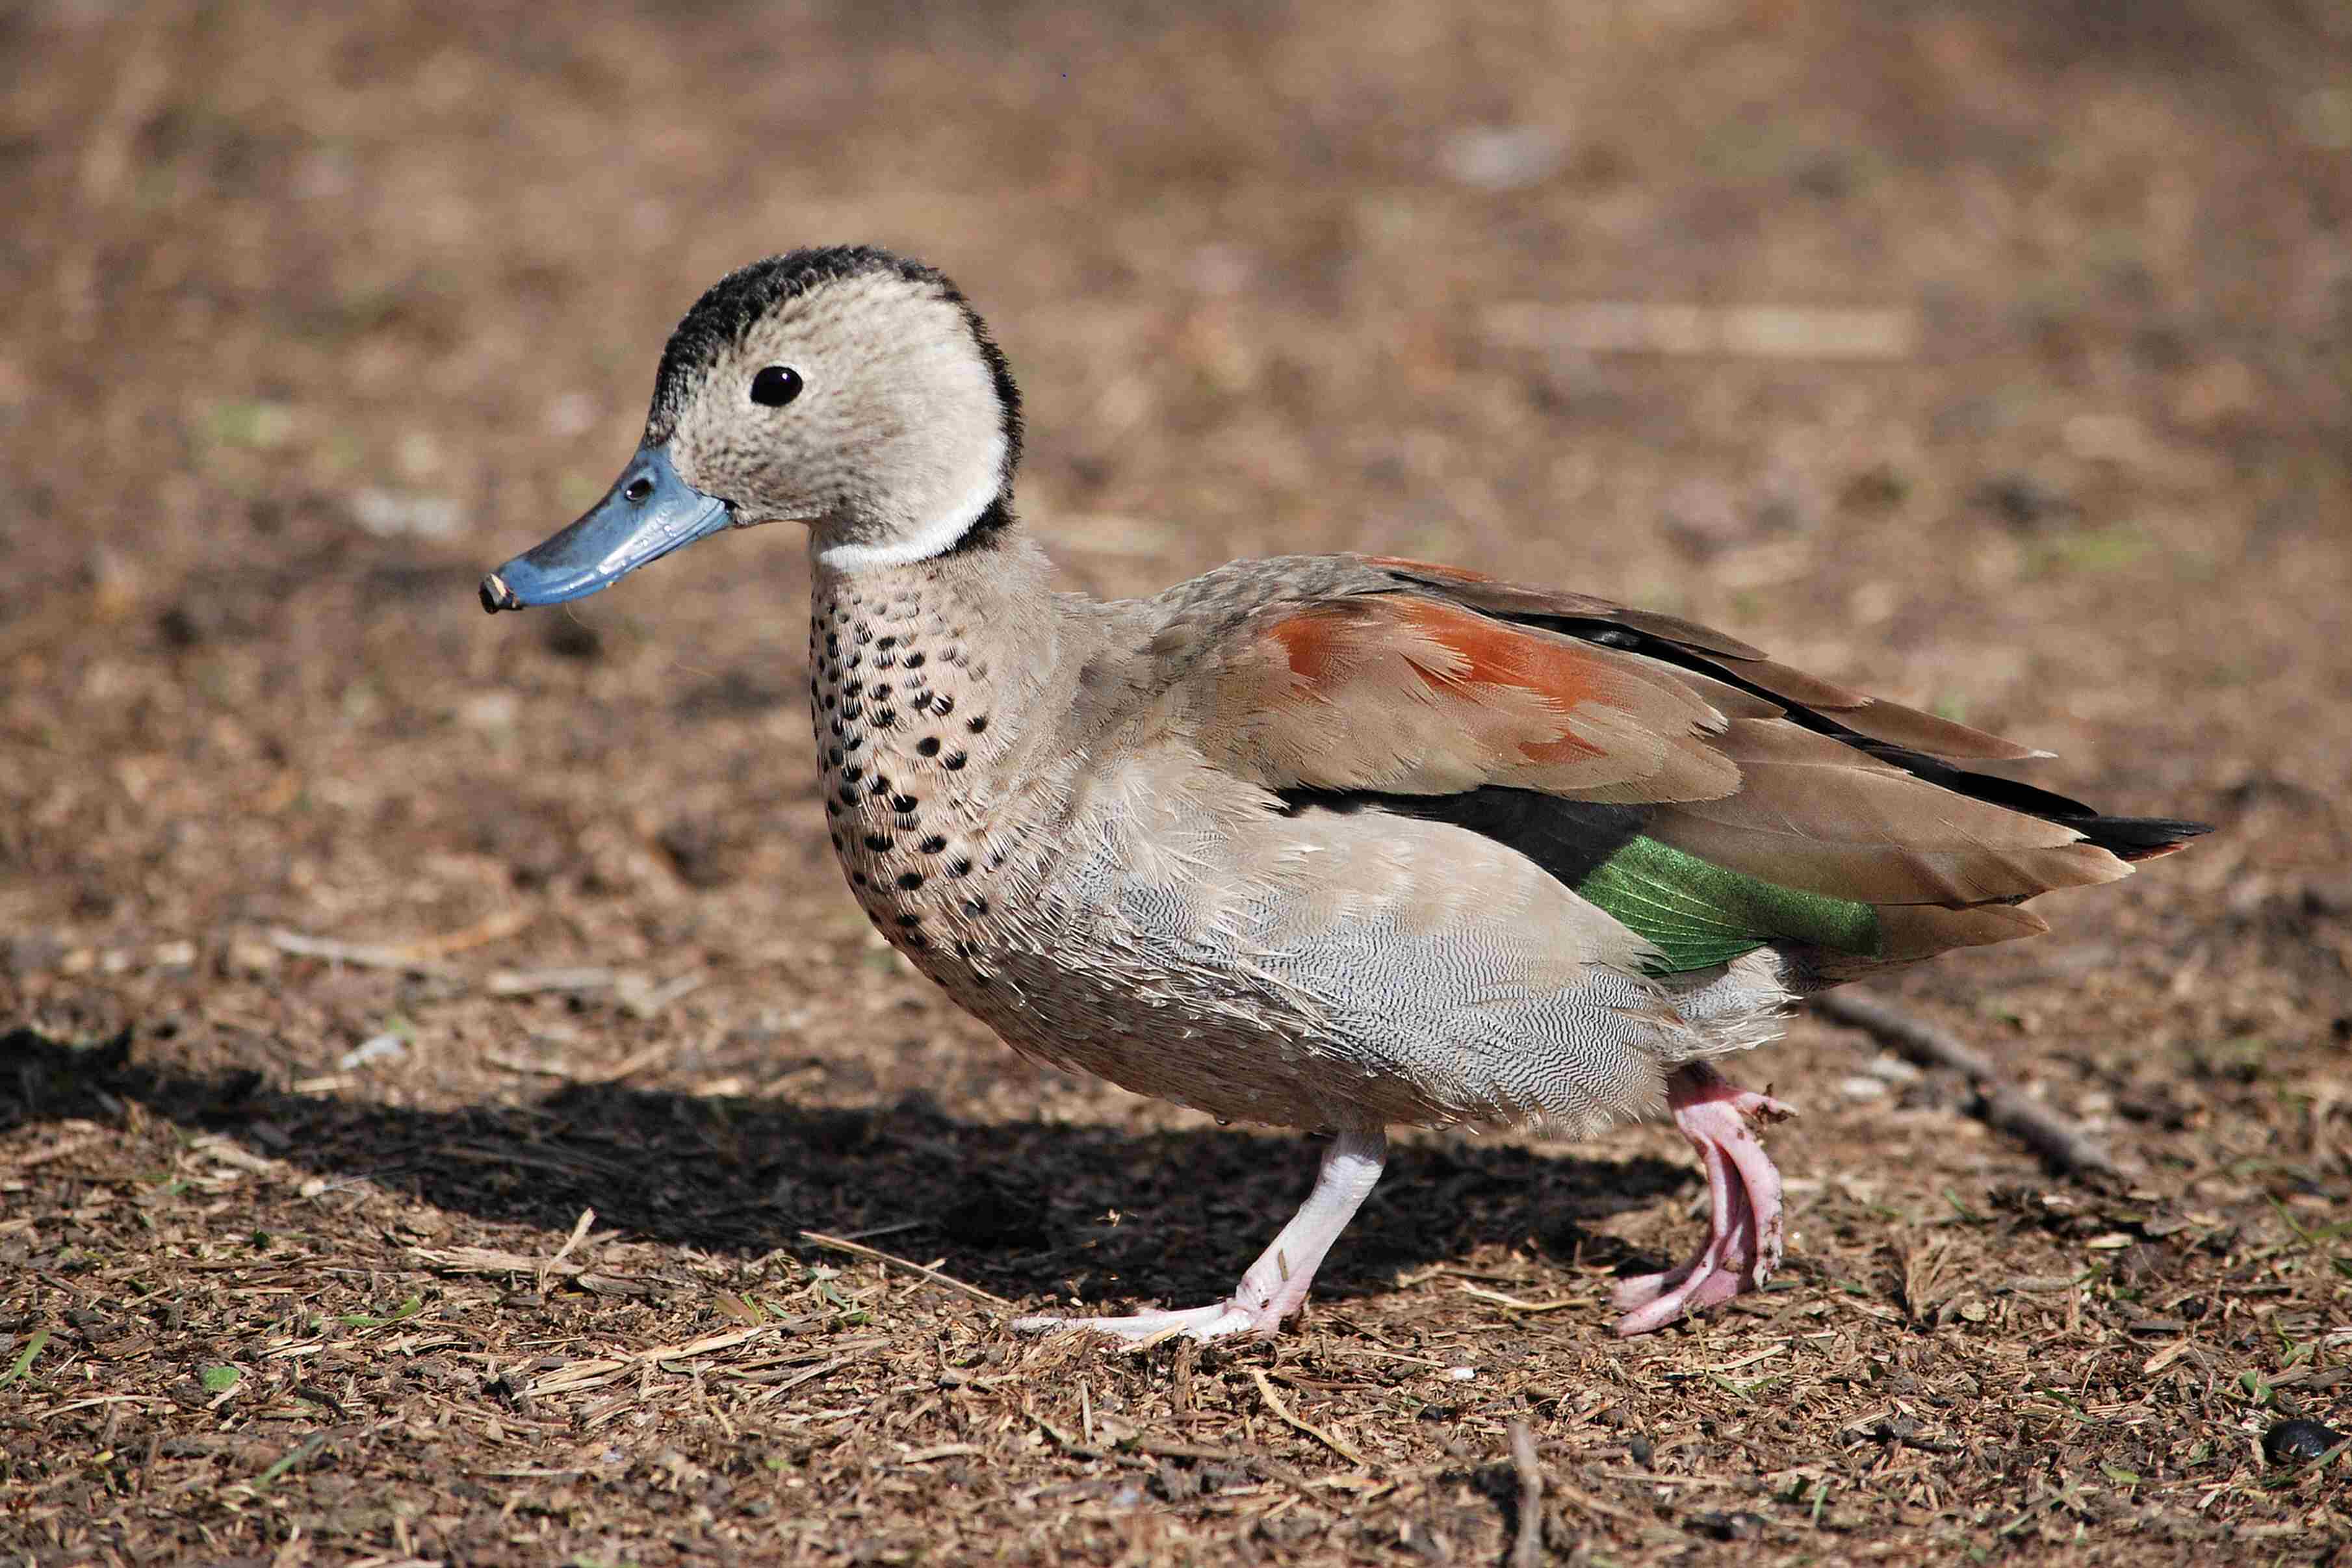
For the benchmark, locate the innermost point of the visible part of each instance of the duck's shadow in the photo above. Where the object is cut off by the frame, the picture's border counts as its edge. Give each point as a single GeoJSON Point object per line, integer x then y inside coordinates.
{"type": "Point", "coordinates": [1022, 1208]}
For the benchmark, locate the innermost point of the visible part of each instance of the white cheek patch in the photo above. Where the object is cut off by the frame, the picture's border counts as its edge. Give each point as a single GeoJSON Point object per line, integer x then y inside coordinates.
{"type": "Point", "coordinates": [934, 538]}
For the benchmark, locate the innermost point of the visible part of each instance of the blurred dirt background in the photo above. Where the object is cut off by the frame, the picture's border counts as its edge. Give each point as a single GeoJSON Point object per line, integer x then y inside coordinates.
{"type": "Point", "coordinates": [355, 945]}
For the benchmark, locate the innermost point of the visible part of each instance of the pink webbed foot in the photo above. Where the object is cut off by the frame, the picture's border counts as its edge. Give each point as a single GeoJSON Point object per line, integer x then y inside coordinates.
{"type": "Point", "coordinates": [1277, 1285]}
{"type": "Point", "coordinates": [1215, 1321]}
{"type": "Point", "coordinates": [1743, 1243]}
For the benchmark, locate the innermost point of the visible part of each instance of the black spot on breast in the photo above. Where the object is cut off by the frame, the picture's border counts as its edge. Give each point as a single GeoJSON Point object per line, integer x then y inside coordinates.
{"type": "Point", "coordinates": [857, 877]}
{"type": "Point", "coordinates": [911, 921]}
{"type": "Point", "coordinates": [879, 842]}
{"type": "Point", "coordinates": [928, 746]}
{"type": "Point", "coordinates": [887, 643]}
{"type": "Point", "coordinates": [933, 844]}
{"type": "Point", "coordinates": [955, 761]}
{"type": "Point", "coordinates": [852, 773]}
{"type": "Point", "coordinates": [903, 803]}
{"type": "Point", "coordinates": [943, 704]}
{"type": "Point", "coordinates": [915, 660]}
{"type": "Point", "coordinates": [977, 722]}
{"type": "Point", "coordinates": [887, 718]}
{"type": "Point", "coordinates": [910, 880]}
{"type": "Point", "coordinates": [921, 701]}
{"type": "Point", "coordinates": [973, 908]}
{"type": "Point", "coordinates": [961, 866]}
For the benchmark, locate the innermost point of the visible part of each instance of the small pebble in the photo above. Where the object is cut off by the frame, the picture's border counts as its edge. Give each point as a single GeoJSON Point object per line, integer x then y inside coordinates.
{"type": "Point", "coordinates": [1894, 1069]}
{"type": "Point", "coordinates": [1503, 157]}
{"type": "Point", "coordinates": [2298, 1442]}
{"type": "Point", "coordinates": [489, 710]}
{"type": "Point", "coordinates": [389, 515]}
{"type": "Point", "coordinates": [1727, 1526]}
{"type": "Point", "coordinates": [376, 1048]}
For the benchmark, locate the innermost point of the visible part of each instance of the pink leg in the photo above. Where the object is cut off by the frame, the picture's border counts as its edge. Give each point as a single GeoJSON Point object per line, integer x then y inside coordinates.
{"type": "Point", "coordinates": [1275, 1285]}
{"type": "Point", "coordinates": [1743, 1243]}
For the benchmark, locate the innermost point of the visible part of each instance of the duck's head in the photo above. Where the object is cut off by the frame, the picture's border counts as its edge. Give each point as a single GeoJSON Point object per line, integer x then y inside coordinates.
{"type": "Point", "coordinates": [848, 389]}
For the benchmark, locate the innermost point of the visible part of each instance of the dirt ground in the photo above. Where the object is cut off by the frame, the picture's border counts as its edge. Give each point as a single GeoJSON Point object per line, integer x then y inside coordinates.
{"type": "Point", "coordinates": [431, 1046]}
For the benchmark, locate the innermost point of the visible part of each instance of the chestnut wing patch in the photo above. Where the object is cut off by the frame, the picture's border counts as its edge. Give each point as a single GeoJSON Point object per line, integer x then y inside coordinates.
{"type": "Point", "coordinates": [1410, 695]}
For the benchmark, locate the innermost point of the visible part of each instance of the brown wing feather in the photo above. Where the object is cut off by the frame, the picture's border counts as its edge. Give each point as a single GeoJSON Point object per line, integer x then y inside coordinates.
{"type": "Point", "coordinates": [1814, 814]}
{"type": "Point", "coordinates": [1865, 714]}
{"type": "Point", "coordinates": [1406, 693]}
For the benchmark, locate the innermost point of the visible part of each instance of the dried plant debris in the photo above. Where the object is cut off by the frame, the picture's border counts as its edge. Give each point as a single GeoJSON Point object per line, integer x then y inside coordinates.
{"type": "Point", "coordinates": [450, 1110]}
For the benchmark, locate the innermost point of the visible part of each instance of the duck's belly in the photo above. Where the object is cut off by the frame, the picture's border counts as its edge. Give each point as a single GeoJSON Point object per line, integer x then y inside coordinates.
{"type": "Point", "coordinates": [1308, 972]}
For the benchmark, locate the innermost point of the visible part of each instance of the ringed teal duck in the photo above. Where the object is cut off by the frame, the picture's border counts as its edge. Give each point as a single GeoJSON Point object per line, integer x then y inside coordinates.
{"type": "Point", "coordinates": [1336, 842]}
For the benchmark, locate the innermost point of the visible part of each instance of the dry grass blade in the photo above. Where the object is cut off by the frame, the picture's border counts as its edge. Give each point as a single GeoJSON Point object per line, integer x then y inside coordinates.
{"type": "Point", "coordinates": [1513, 1303]}
{"type": "Point", "coordinates": [594, 1373]}
{"type": "Point", "coordinates": [1739, 331]}
{"type": "Point", "coordinates": [493, 1260]}
{"type": "Point", "coordinates": [821, 1369]}
{"type": "Point", "coordinates": [1282, 1413]}
{"type": "Point", "coordinates": [1526, 1546]}
{"type": "Point", "coordinates": [361, 955]}
{"type": "Point", "coordinates": [531, 982]}
{"type": "Point", "coordinates": [2066, 1147]}
{"type": "Point", "coordinates": [579, 1234]}
{"type": "Point", "coordinates": [859, 1249]}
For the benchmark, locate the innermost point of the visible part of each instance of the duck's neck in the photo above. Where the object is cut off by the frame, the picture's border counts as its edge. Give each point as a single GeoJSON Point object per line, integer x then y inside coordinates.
{"type": "Point", "coordinates": [938, 666]}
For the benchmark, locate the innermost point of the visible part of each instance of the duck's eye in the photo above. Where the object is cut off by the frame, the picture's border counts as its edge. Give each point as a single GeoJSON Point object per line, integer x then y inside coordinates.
{"type": "Point", "coordinates": [775, 386]}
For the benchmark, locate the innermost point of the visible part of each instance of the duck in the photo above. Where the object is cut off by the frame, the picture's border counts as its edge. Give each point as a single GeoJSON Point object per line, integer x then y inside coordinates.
{"type": "Point", "coordinates": [1342, 843]}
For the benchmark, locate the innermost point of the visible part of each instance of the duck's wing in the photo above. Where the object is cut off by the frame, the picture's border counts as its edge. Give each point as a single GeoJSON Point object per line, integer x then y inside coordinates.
{"type": "Point", "coordinates": [1705, 796]}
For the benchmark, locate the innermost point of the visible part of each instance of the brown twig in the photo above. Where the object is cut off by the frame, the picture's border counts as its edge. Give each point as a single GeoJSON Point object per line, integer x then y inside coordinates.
{"type": "Point", "coordinates": [858, 1249]}
{"type": "Point", "coordinates": [1329, 1439]}
{"type": "Point", "coordinates": [1526, 1547]}
{"type": "Point", "coordinates": [2000, 1102]}
{"type": "Point", "coordinates": [361, 955]}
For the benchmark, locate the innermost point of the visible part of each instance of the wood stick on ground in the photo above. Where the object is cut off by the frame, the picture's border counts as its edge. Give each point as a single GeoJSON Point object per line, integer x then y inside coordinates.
{"type": "Point", "coordinates": [858, 1249]}
{"type": "Point", "coordinates": [361, 955]}
{"type": "Point", "coordinates": [1324, 1435]}
{"type": "Point", "coordinates": [2000, 1102]}
{"type": "Point", "coordinates": [1527, 1549]}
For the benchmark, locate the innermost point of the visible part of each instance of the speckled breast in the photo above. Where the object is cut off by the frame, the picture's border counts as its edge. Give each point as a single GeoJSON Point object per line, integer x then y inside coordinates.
{"type": "Point", "coordinates": [948, 855]}
{"type": "Point", "coordinates": [901, 705]}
